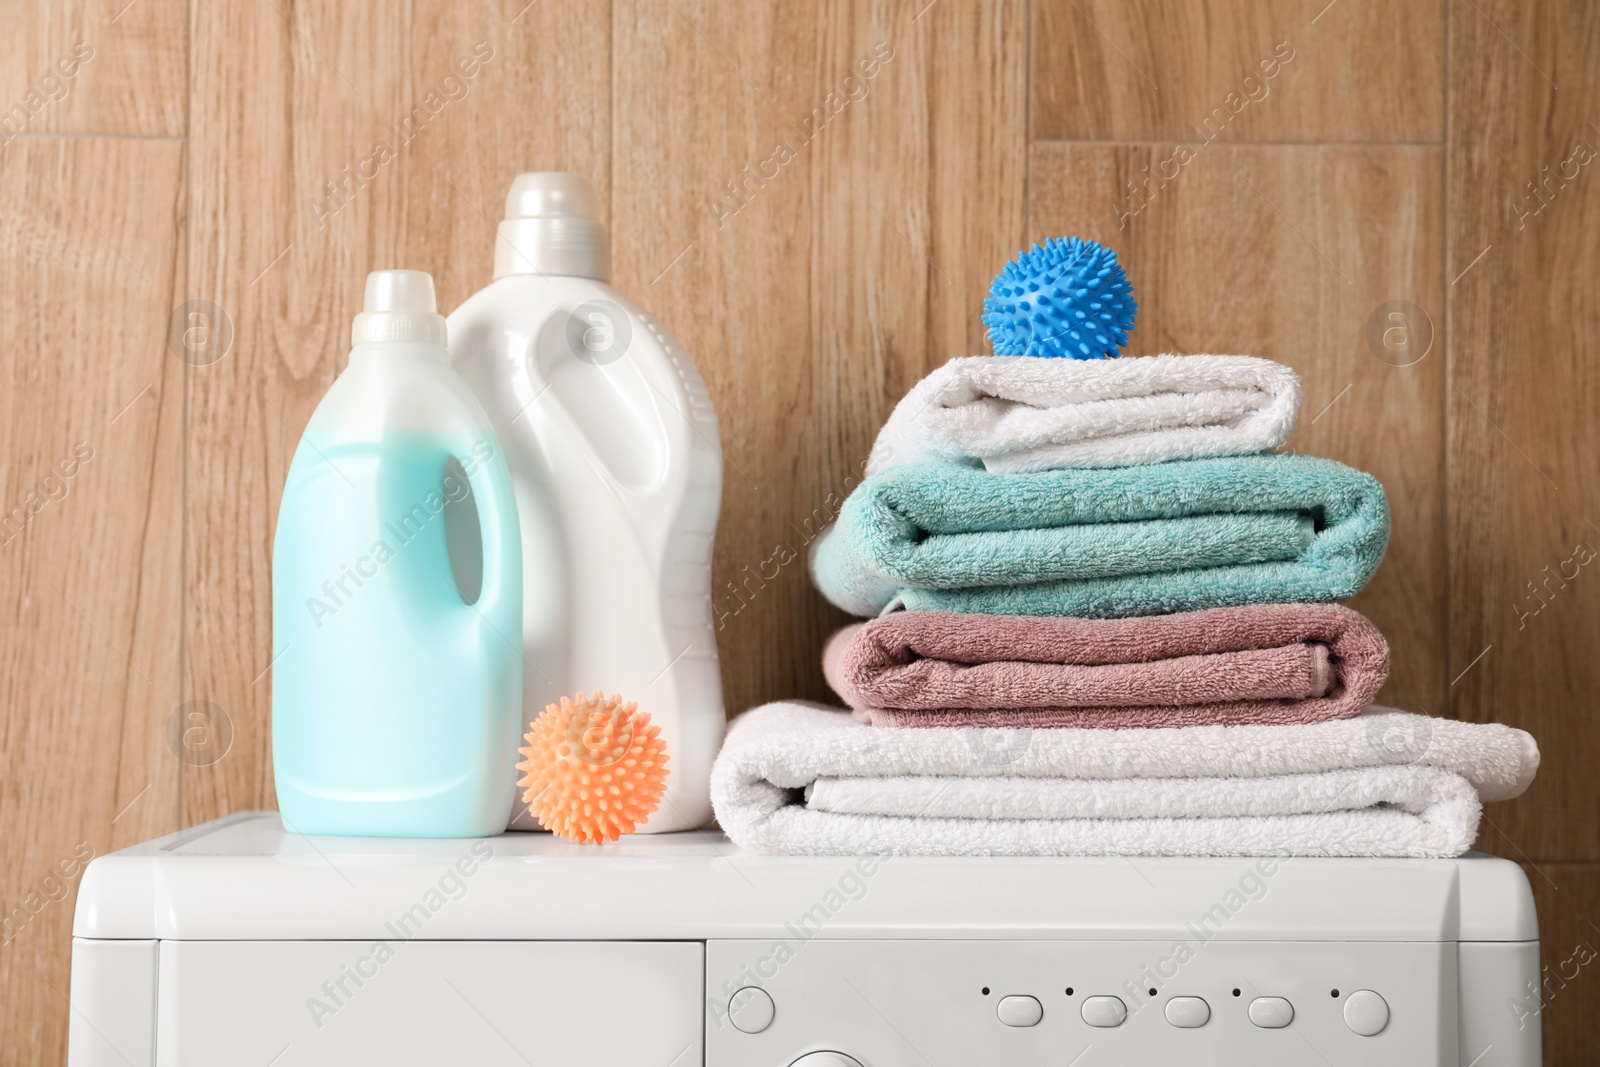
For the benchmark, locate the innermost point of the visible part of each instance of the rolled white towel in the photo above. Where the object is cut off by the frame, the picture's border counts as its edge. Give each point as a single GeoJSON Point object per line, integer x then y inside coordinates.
{"type": "Point", "coordinates": [1025, 413]}
{"type": "Point", "coordinates": [797, 778]}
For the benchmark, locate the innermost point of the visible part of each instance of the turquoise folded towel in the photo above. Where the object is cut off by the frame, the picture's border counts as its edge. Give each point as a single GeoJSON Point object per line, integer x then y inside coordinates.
{"type": "Point", "coordinates": [1148, 540]}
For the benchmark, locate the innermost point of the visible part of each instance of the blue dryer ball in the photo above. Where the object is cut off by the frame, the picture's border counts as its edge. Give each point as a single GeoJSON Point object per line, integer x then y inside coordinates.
{"type": "Point", "coordinates": [1065, 298]}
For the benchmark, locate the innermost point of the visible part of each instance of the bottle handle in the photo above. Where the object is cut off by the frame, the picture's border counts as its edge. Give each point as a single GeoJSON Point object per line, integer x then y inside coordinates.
{"type": "Point", "coordinates": [501, 533]}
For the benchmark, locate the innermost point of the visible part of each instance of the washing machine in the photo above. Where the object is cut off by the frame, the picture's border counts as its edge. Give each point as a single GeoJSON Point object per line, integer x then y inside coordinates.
{"type": "Point", "coordinates": [239, 943]}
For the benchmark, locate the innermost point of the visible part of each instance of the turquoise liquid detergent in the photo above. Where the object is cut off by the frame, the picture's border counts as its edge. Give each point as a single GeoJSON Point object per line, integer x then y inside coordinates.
{"type": "Point", "coordinates": [397, 595]}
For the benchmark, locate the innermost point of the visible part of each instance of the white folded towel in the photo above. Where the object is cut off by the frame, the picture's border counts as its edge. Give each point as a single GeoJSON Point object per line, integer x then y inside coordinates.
{"type": "Point", "coordinates": [1025, 413]}
{"type": "Point", "coordinates": [795, 778]}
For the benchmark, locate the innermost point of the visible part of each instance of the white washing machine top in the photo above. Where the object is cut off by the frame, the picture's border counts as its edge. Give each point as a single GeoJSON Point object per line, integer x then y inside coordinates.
{"type": "Point", "coordinates": [239, 942]}
{"type": "Point", "coordinates": [246, 877]}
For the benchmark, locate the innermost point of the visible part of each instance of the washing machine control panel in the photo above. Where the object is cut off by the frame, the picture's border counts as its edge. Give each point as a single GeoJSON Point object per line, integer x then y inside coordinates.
{"type": "Point", "coordinates": [836, 1003]}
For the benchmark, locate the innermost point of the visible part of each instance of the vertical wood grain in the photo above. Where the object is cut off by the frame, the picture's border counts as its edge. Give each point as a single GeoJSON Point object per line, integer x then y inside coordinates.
{"type": "Point", "coordinates": [1568, 898]}
{"type": "Point", "coordinates": [290, 105]}
{"type": "Point", "coordinates": [1524, 564]}
{"type": "Point", "coordinates": [1262, 70]}
{"type": "Point", "coordinates": [93, 67]}
{"type": "Point", "coordinates": [91, 469]}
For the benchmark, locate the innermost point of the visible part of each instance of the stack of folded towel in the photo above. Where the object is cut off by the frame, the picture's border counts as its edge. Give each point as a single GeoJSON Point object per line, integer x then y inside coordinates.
{"type": "Point", "coordinates": [801, 779]}
{"type": "Point", "coordinates": [1110, 614]}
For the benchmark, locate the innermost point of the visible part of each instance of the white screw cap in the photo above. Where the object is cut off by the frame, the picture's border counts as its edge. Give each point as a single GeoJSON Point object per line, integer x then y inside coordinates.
{"type": "Point", "coordinates": [400, 306]}
{"type": "Point", "coordinates": [552, 226]}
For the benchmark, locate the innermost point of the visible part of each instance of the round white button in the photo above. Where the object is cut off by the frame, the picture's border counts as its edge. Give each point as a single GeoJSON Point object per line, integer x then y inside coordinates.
{"type": "Point", "coordinates": [751, 1010]}
{"type": "Point", "coordinates": [1104, 1011]}
{"type": "Point", "coordinates": [1271, 1013]}
{"type": "Point", "coordinates": [825, 1059]}
{"type": "Point", "coordinates": [1366, 1013]}
{"type": "Point", "coordinates": [1188, 1012]}
{"type": "Point", "coordinates": [1020, 1011]}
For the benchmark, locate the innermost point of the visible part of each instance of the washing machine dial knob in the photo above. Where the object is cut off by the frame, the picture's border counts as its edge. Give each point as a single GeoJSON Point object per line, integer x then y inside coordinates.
{"type": "Point", "coordinates": [826, 1059]}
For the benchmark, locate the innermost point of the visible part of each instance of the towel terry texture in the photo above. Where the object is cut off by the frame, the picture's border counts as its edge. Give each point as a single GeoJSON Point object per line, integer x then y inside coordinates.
{"type": "Point", "coordinates": [1146, 540]}
{"type": "Point", "coordinates": [802, 779]}
{"type": "Point", "coordinates": [1269, 663]}
{"type": "Point", "coordinates": [1021, 413]}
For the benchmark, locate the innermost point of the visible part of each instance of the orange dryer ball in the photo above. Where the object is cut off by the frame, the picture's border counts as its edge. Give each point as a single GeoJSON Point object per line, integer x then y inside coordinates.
{"type": "Point", "coordinates": [594, 768]}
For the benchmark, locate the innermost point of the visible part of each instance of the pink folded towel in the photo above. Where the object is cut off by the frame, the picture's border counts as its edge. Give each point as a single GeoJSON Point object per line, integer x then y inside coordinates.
{"type": "Point", "coordinates": [1263, 663]}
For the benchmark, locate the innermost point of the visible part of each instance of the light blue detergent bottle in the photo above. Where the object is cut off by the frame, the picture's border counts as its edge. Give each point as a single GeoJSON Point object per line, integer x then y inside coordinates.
{"type": "Point", "coordinates": [397, 594]}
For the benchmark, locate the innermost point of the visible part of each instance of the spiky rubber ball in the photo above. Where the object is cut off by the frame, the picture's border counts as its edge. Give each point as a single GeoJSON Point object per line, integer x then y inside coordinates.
{"type": "Point", "coordinates": [1064, 298]}
{"type": "Point", "coordinates": [593, 768]}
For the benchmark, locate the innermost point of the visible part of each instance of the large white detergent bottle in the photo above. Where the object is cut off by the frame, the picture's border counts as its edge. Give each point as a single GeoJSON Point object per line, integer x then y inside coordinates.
{"type": "Point", "coordinates": [614, 454]}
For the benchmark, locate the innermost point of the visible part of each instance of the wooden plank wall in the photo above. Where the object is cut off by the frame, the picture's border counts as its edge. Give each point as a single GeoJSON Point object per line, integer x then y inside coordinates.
{"type": "Point", "coordinates": [1278, 176]}
{"type": "Point", "coordinates": [92, 452]}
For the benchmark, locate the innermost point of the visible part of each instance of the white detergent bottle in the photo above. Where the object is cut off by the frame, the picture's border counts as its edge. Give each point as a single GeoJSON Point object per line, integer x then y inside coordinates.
{"type": "Point", "coordinates": [614, 454]}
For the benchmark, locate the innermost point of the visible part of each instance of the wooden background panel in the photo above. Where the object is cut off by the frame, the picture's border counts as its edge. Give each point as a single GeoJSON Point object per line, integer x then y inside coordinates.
{"type": "Point", "coordinates": [1524, 484]}
{"type": "Point", "coordinates": [1284, 252]}
{"type": "Point", "coordinates": [90, 571]}
{"type": "Point", "coordinates": [284, 237]}
{"type": "Point", "coordinates": [1278, 70]}
{"type": "Point", "coordinates": [93, 66]}
{"type": "Point", "coordinates": [814, 297]}
{"type": "Point", "coordinates": [542, 103]}
{"type": "Point", "coordinates": [1568, 899]}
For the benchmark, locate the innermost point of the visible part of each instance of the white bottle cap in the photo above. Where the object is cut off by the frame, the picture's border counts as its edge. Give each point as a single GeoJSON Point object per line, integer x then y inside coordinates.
{"type": "Point", "coordinates": [552, 226]}
{"type": "Point", "coordinates": [400, 306]}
